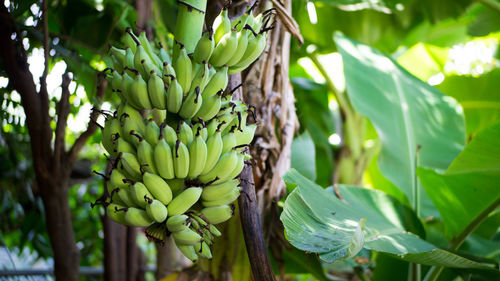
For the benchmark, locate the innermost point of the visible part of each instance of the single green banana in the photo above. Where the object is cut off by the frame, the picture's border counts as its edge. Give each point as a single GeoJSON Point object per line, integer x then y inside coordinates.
{"type": "Point", "coordinates": [145, 156]}
{"type": "Point", "coordinates": [210, 107]}
{"type": "Point", "coordinates": [222, 25]}
{"type": "Point", "coordinates": [158, 187]}
{"type": "Point", "coordinates": [130, 165]}
{"type": "Point", "coordinates": [203, 130]}
{"type": "Point", "coordinates": [182, 202]}
{"type": "Point", "coordinates": [139, 56]}
{"type": "Point", "coordinates": [126, 196]}
{"type": "Point", "coordinates": [203, 250]}
{"type": "Point", "coordinates": [214, 230]}
{"type": "Point", "coordinates": [178, 223]}
{"type": "Point", "coordinates": [168, 73]}
{"type": "Point", "coordinates": [181, 160]}
{"type": "Point", "coordinates": [163, 159]}
{"type": "Point", "coordinates": [186, 237]}
{"type": "Point", "coordinates": [254, 48]}
{"type": "Point", "coordinates": [197, 156]}
{"type": "Point", "coordinates": [116, 80]}
{"type": "Point", "coordinates": [225, 49]}
{"type": "Point", "coordinates": [204, 47]}
{"type": "Point", "coordinates": [129, 125]}
{"type": "Point", "coordinates": [214, 151]}
{"type": "Point", "coordinates": [184, 70]}
{"type": "Point", "coordinates": [109, 131]}
{"type": "Point", "coordinates": [120, 55]}
{"type": "Point", "coordinates": [150, 49]}
{"type": "Point", "coordinates": [201, 77]}
{"type": "Point", "coordinates": [123, 146]}
{"type": "Point", "coordinates": [139, 92]}
{"type": "Point", "coordinates": [152, 133]}
{"type": "Point", "coordinates": [192, 104]}
{"type": "Point", "coordinates": [169, 134]}
{"type": "Point", "coordinates": [156, 91]}
{"type": "Point", "coordinates": [217, 191]}
{"type": "Point", "coordinates": [129, 58]}
{"type": "Point", "coordinates": [222, 169]}
{"type": "Point", "coordinates": [242, 36]}
{"type": "Point", "coordinates": [246, 136]}
{"type": "Point", "coordinates": [174, 96]}
{"type": "Point", "coordinates": [156, 210]}
{"type": "Point", "coordinates": [184, 133]}
{"type": "Point", "coordinates": [116, 179]}
{"type": "Point", "coordinates": [240, 164]}
{"type": "Point", "coordinates": [212, 126]}
{"type": "Point", "coordinates": [218, 214]}
{"type": "Point", "coordinates": [218, 82]}
{"type": "Point", "coordinates": [139, 193]}
{"type": "Point", "coordinates": [128, 40]}
{"type": "Point", "coordinates": [189, 252]}
{"type": "Point", "coordinates": [229, 141]}
{"type": "Point", "coordinates": [137, 217]}
{"type": "Point", "coordinates": [115, 216]}
{"type": "Point", "coordinates": [227, 199]}
{"type": "Point", "coordinates": [164, 56]}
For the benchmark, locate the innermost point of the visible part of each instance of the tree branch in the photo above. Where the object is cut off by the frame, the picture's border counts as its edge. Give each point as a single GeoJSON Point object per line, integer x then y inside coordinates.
{"type": "Point", "coordinates": [43, 79]}
{"type": "Point", "coordinates": [102, 85]}
{"type": "Point", "coordinates": [252, 229]}
{"type": "Point", "coordinates": [15, 62]}
{"type": "Point", "coordinates": [63, 109]}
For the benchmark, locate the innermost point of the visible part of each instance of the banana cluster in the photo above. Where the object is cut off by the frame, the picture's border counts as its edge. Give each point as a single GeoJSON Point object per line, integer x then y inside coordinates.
{"type": "Point", "coordinates": [178, 139]}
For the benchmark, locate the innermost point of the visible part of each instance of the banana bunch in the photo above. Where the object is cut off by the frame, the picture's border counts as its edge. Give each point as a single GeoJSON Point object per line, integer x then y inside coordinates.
{"type": "Point", "coordinates": [178, 140]}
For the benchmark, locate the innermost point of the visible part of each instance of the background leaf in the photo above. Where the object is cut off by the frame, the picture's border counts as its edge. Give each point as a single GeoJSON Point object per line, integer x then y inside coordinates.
{"type": "Point", "coordinates": [304, 156]}
{"type": "Point", "coordinates": [405, 112]}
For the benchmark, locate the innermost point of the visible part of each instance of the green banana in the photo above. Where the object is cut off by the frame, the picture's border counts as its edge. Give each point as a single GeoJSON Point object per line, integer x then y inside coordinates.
{"type": "Point", "coordinates": [139, 192]}
{"type": "Point", "coordinates": [156, 210]}
{"type": "Point", "coordinates": [214, 150]}
{"type": "Point", "coordinates": [218, 214]}
{"type": "Point", "coordinates": [218, 82]}
{"type": "Point", "coordinates": [189, 25]}
{"type": "Point", "coordinates": [164, 162]}
{"type": "Point", "coordinates": [191, 105]}
{"type": "Point", "coordinates": [115, 216]}
{"type": "Point", "coordinates": [184, 70]}
{"type": "Point", "coordinates": [210, 107]}
{"type": "Point", "coordinates": [186, 237]}
{"type": "Point", "coordinates": [139, 92]}
{"type": "Point", "coordinates": [174, 96]}
{"type": "Point", "coordinates": [140, 56]}
{"type": "Point", "coordinates": [189, 252]}
{"type": "Point", "coordinates": [184, 133]}
{"type": "Point", "coordinates": [240, 164]}
{"type": "Point", "coordinates": [242, 46]}
{"type": "Point", "coordinates": [225, 49]}
{"type": "Point", "coordinates": [203, 250]}
{"type": "Point", "coordinates": [168, 73]}
{"type": "Point", "coordinates": [152, 132]}
{"type": "Point", "coordinates": [246, 136]}
{"type": "Point", "coordinates": [119, 54]}
{"type": "Point", "coordinates": [254, 48]}
{"type": "Point", "coordinates": [222, 25]}
{"type": "Point", "coordinates": [181, 160]}
{"type": "Point", "coordinates": [111, 128]}
{"type": "Point", "coordinates": [182, 202]}
{"type": "Point", "coordinates": [164, 56]}
{"type": "Point", "coordinates": [126, 196]}
{"type": "Point", "coordinates": [137, 217]}
{"type": "Point", "coordinates": [204, 47]}
{"type": "Point", "coordinates": [169, 134]}
{"type": "Point", "coordinates": [130, 165]}
{"type": "Point", "coordinates": [229, 141]}
{"type": "Point", "coordinates": [201, 77]}
{"type": "Point", "coordinates": [197, 156]}
{"type": "Point", "coordinates": [150, 50]}
{"type": "Point", "coordinates": [178, 223]}
{"type": "Point", "coordinates": [129, 125]}
{"type": "Point", "coordinates": [156, 91]}
{"type": "Point", "coordinates": [217, 191]}
{"type": "Point", "coordinates": [158, 187]}
{"type": "Point", "coordinates": [123, 146]}
{"type": "Point", "coordinates": [129, 58]}
{"type": "Point", "coordinates": [212, 126]}
{"type": "Point", "coordinates": [128, 39]}
{"type": "Point", "coordinates": [227, 199]}
{"type": "Point", "coordinates": [145, 156]}
{"type": "Point", "coordinates": [159, 115]}
{"type": "Point", "coordinates": [222, 169]}
{"type": "Point", "coordinates": [203, 130]}
{"type": "Point", "coordinates": [116, 179]}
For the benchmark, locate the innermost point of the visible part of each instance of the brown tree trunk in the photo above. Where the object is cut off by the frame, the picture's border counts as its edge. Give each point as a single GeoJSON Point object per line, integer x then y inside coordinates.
{"type": "Point", "coordinates": [60, 229]}
{"type": "Point", "coordinates": [114, 250]}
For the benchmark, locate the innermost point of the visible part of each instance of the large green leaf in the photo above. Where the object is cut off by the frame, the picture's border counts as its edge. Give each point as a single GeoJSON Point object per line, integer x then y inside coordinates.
{"type": "Point", "coordinates": [304, 156]}
{"type": "Point", "coordinates": [470, 186]}
{"type": "Point", "coordinates": [406, 113]}
{"type": "Point", "coordinates": [317, 221]}
{"type": "Point", "coordinates": [479, 97]}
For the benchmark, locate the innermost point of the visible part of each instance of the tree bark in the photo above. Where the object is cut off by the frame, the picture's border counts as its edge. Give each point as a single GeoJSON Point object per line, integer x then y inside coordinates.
{"type": "Point", "coordinates": [60, 229]}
